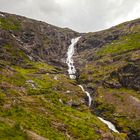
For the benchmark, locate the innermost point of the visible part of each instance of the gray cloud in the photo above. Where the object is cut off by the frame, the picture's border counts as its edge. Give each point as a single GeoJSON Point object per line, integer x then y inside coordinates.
{"type": "Point", "coordinates": [80, 15]}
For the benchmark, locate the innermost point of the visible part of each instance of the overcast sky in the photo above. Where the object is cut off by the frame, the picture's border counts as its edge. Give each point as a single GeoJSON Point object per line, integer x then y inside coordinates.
{"type": "Point", "coordinates": [79, 15]}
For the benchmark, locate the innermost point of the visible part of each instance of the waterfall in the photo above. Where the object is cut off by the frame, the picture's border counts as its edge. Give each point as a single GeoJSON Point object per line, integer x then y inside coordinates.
{"type": "Point", "coordinates": [88, 95]}
{"type": "Point", "coordinates": [72, 72]}
{"type": "Point", "coordinates": [109, 124]}
{"type": "Point", "coordinates": [69, 61]}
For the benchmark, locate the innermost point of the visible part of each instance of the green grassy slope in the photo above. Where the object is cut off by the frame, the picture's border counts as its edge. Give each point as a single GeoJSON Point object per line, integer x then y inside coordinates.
{"type": "Point", "coordinates": [114, 75]}
{"type": "Point", "coordinates": [39, 100]}
{"type": "Point", "coordinates": [31, 99]}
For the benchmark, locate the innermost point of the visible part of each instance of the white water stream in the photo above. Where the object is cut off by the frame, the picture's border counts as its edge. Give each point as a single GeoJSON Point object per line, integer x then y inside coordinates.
{"type": "Point", "coordinates": [72, 72]}
{"type": "Point", "coordinates": [88, 95]}
{"type": "Point", "coordinates": [109, 124]}
{"type": "Point", "coordinates": [69, 61]}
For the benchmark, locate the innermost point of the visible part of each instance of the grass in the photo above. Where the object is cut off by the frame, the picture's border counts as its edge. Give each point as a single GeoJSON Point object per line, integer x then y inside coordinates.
{"type": "Point", "coordinates": [113, 101]}
{"type": "Point", "coordinates": [9, 24]}
{"type": "Point", "coordinates": [8, 132]}
{"type": "Point", "coordinates": [124, 44]}
{"type": "Point", "coordinates": [47, 108]}
{"type": "Point", "coordinates": [39, 110]}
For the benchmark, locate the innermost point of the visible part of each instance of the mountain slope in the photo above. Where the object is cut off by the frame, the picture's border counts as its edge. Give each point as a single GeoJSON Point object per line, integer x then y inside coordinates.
{"type": "Point", "coordinates": [112, 74]}
{"type": "Point", "coordinates": [39, 101]}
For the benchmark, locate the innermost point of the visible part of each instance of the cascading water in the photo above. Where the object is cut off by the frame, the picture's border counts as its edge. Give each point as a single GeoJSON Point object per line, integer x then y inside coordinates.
{"type": "Point", "coordinates": [72, 72]}
{"type": "Point", "coordinates": [109, 124]}
{"type": "Point", "coordinates": [69, 61]}
{"type": "Point", "coordinates": [71, 67]}
{"type": "Point", "coordinates": [88, 95]}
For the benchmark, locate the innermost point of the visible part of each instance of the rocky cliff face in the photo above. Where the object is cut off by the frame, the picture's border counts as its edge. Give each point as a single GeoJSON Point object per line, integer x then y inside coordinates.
{"type": "Point", "coordinates": [39, 40]}
{"type": "Point", "coordinates": [39, 101]}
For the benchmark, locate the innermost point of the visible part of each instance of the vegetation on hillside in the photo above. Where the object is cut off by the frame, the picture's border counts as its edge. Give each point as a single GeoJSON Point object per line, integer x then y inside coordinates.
{"type": "Point", "coordinates": [37, 98]}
